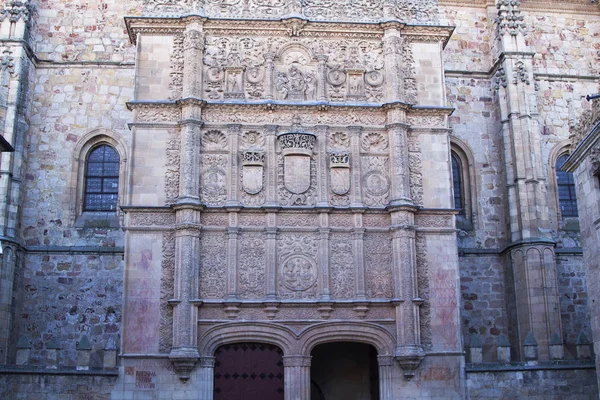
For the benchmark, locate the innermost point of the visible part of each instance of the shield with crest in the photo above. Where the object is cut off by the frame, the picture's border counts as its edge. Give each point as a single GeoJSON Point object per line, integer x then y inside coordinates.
{"type": "Point", "coordinates": [339, 173]}
{"type": "Point", "coordinates": [297, 149]}
{"type": "Point", "coordinates": [252, 171]}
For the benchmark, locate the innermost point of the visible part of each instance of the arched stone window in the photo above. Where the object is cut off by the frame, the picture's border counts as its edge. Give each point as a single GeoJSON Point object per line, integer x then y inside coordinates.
{"type": "Point", "coordinates": [565, 187]}
{"type": "Point", "coordinates": [101, 179]}
{"type": "Point", "coordinates": [457, 183]}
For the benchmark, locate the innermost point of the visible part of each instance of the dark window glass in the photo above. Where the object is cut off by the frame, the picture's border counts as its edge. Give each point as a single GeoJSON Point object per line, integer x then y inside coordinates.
{"type": "Point", "coordinates": [457, 183]}
{"type": "Point", "coordinates": [566, 189]}
{"type": "Point", "coordinates": [101, 179]}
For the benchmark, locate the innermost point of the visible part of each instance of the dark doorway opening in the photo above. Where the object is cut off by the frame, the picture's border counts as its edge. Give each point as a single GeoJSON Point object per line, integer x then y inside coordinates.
{"type": "Point", "coordinates": [245, 371]}
{"type": "Point", "coordinates": [344, 371]}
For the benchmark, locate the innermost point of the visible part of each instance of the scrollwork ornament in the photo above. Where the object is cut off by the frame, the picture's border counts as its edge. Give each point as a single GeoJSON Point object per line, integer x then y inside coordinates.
{"type": "Point", "coordinates": [193, 39]}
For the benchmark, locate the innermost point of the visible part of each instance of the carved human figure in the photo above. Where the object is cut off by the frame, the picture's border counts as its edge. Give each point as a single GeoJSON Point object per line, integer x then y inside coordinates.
{"type": "Point", "coordinates": [282, 85]}
{"type": "Point", "coordinates": [311, 86]}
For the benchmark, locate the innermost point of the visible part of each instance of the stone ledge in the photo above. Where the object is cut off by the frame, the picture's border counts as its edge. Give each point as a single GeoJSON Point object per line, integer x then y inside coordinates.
{"type": "Point", "coordinates": [522, 366]}
{"type": "Point", "coordinates": [14, 370]}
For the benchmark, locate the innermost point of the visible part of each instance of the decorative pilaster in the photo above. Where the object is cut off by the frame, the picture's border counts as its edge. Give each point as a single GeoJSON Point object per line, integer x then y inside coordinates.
{"type": "Point", "coordinates": [322, 79]}
{"type": "Point", "coordinates": [233, 133]}
{"type": "Point", "coordinates": [392, 47]}
{"type": "Point", "coordinates": [233, 233]}
{"type": "Point", "coordinates": [386, 377]}
{"type": "Point", "coordinates": [324, 235]}
{"type": "Point", "coordinates": [355, 169]}
{"type": "Point", "coordinates": [358, 240]}
{"type": "Point", "coordinates": [297, 377]}
{"type": "Point", "coordinates": [271, 245]}
{"type": "Point", "coordinates": [206, 372]}
{"type": "Point", "coordinates": [322, 171]}
{"type": "Point", "coordinates": [271, 178]}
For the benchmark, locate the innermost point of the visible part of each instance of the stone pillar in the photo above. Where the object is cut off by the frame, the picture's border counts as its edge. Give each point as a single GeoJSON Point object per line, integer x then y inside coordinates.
{"type": "Point", "coordinates": [297, 377]}
{"type": "Point", "coordinates": [532, 249]}
{"type": "Point", "coordinates": [584, 347]}
{"type": "Point", "coordinates": [358, 238]}
{"type": "Point", "coordinates": [206, 372]}
{"type": "Point", "coordinates": [557, 350]}
{"type": "Point", "coordinates": [530, 348]}
{"type": "Point", "coordinates": [475, 349]}
{"type": "Point", "coordinates": [110, 353]}
{"type": "Point", "coordinates": [503, 349]}
{"type": "Point", "coordinates": [355, 168]}
{"type": "Point", "coordinates": [271, 255]}
{"type": "Point", "coordinates": [386, 377]}
{"type": "Point", "coordinates": [409, 351]}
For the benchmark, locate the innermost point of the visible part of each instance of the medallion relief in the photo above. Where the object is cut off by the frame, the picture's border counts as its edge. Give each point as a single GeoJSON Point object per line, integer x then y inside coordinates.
{"type": "Point", "coordinates": [297, 273]}
{"type": "Point", "coordinates": [213, 179]}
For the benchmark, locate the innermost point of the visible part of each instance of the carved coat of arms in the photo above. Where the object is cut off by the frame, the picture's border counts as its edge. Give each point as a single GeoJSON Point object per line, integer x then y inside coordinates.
{"type": "Point", "coordinates": [297, 149]}
{"type": "Point", "coordinates": [252, 171]}
{"type": "Point", "coordinates": [339, 173]}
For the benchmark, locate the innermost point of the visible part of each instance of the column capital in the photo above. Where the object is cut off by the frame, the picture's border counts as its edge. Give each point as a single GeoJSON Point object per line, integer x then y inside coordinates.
{"type": "Point", "coordinates": [297, 361]}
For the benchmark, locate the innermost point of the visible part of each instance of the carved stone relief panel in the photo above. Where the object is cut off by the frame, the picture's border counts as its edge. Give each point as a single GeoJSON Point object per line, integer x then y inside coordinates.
{"type": "Point", "coordinates": [296, 75]}
{"type": "Point", "coordinates": [375, 181]}
{"type": "Point", "coordinates": [176, 74]}
{"type": "Point", "coordinates": [338, 147]}
{"type": "Point", "coordinates": [213, 179]}
{"type": "Point", "coordinates": [234, 68]}
{"type": "Point", "coordinates": [252, 144]}
{"type": "Point", "coordinates": [423, 288]}
{"type": "Point", "coordinates": [297, 266]}
{"type": "Point", "coordinates": [415, 168]}
{"type": "Point", "coordinates": [213, 264]}
{"type": "Point", "coordinates": [378, 262]}
{"type": "Point", "coordinates": [342, 266]}
{"type": "Point", "coordinates": [251, 269]}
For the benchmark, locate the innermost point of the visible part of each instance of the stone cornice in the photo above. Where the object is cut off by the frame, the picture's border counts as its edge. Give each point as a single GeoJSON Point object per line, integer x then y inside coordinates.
{"type": "Point", "coordinates": [558, 6]}
{"type": "Point", "coordinates": [374, 30]}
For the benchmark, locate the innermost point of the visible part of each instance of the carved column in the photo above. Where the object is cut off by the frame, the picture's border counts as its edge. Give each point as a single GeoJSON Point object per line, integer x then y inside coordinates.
{"type": "Point", "coordinates": [206, 378]}
{"type": "Point", "coordinates": [358, 239]}
{"type": "Point", "coordinates": [297, 377]}
{"type": "Point", "coordinates": [355, 186]}
{"type": "Point", "coordinates": [184, 352]}
{"type": "Point", "coordinates": [271, 136]}
{"type": "Point", "coordinates": [322, 172]}
{"type": "Point", "coordinates": [386, 377]}
{"type": "Point", "coordinates": [322, 71]}
{"type": "Point", "coordinates": [409, 351]}
{"type": "Point", "coordinates": [399, 171]}
{"type": "Point", "coordinates": [270, 69]}
{"type": "Point", "coordinates": [233, 132]}
{"type": "Point", "coordinates": [193, 46]}
{"type": "Point", "coordinates": [392, 45]}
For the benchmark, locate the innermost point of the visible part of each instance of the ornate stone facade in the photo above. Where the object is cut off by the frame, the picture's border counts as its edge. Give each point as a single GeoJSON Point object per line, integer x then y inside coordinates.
{"type": "Point", "coordinates": [286, 178]}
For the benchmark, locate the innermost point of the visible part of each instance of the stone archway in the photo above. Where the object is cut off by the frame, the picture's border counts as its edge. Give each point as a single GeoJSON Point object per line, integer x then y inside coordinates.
{"type": "Point", "coordinates": [248, 371]}
{"type": "Point", "coordinates": [344, 370]}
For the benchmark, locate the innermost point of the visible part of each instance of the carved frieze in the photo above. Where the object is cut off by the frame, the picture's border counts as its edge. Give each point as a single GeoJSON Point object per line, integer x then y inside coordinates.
{"type": "Point", "coordinates": [176, 74]}
{"type": "Point", "coordinates": [297, 265]}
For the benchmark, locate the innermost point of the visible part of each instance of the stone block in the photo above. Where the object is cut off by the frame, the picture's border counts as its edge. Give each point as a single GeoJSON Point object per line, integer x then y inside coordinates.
{"type": "Point", "coordinates": [84, 352]}
{"type": "Point", "coordinates": [23, 350]}
{"type": "Point", "coordinates": [503, 349]}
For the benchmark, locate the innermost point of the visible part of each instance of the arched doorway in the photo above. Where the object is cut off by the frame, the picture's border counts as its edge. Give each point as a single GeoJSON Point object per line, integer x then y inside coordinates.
{"type": "Point", "coordinates": [344, 370]}
{"type": "Point", "coordinates": [248, 371]}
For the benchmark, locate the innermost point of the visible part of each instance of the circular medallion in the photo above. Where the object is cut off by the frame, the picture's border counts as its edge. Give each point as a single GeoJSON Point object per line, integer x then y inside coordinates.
{"type": "Point", "coordinates": [255, 74]}
{"type": "Point", "coordinates": [214, 75]}
{"type": "Point", "coordinates": [213, 181]}
{"type": "Point", "coordinates": [374, 78]}
{"type": "Point", "coordinates": [298, 273]}
{"type": "Point", "coordinates": [336, 77]}
{"type": "Point", "coordinates": [376, 183]}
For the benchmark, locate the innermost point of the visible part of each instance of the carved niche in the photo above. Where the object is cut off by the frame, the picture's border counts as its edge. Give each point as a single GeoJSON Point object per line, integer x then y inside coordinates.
{"type": "Point", "coordinates": [296, 74]}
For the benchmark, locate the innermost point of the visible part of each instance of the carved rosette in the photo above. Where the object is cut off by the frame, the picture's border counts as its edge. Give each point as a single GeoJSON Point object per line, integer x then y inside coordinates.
{"type": "Point", "coordinates": [297, 150]}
